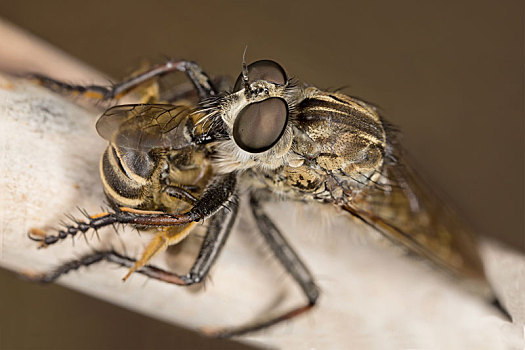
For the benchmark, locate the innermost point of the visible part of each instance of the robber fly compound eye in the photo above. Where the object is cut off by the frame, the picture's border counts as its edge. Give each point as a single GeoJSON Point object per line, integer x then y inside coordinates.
{"type": "Point", "coordinates": [260, 125]}
{"type": "Point", "coordinates": [263, 70]}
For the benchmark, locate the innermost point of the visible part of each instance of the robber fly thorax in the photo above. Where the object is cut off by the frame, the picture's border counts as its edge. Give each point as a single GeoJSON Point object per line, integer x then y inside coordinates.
{"type": "Point", "coordinates": [171, 164]}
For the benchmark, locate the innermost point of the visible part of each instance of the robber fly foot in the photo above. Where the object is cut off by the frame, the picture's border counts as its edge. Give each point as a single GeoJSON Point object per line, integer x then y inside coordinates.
{"type": "Point", "coordinates": [41, 236]}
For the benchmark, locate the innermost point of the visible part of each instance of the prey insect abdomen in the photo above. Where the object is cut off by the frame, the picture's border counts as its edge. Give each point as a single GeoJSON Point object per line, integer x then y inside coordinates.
{"type": "Point", "coordinates": [128, 176]}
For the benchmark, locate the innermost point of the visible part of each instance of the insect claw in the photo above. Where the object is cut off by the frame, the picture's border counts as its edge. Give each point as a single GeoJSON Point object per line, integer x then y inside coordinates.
{"type": "Point", "coordinates": [36, 234]}
{"type": "Point", "coordinates": [29, 235]}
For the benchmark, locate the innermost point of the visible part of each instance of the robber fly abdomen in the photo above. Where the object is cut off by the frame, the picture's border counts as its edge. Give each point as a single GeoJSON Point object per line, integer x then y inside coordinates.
{"type": "Point", "coordinates": [171, 165]}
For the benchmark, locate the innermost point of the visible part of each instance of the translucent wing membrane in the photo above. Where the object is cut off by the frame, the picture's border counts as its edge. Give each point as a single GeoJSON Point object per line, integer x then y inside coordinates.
{"type": "Point", "coordinates": [404, 210]}
{"type": "Point", "coordinates": [145, 126]}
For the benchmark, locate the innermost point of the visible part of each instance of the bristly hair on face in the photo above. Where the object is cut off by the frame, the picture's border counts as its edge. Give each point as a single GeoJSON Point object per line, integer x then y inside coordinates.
{"type": "Point", "coordinates": [212, 107]}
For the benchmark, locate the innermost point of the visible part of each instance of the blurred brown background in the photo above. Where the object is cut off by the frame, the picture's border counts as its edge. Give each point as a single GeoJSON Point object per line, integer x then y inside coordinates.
{"type": "Point", "coordinates": [450, 75]}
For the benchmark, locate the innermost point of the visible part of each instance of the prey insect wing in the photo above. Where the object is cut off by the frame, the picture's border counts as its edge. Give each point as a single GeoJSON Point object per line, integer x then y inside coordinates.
{"type": "Point", "coordinates": [144, 127]}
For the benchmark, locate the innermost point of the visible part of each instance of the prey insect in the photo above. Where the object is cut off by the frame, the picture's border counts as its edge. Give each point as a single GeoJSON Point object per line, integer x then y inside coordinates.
{"type": "Point", "coordinates": [171, 164]}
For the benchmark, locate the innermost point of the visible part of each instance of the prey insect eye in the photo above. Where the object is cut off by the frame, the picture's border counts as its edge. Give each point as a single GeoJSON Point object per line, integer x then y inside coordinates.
{"type": "Point", "coordinates": [263, 70]}
{"type": "Point", "coordinates": [260, 125]}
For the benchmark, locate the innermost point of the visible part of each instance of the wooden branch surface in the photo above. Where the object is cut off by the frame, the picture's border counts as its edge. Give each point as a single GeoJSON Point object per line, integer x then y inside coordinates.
{"type": "Point", "coordinates": [372, 297]}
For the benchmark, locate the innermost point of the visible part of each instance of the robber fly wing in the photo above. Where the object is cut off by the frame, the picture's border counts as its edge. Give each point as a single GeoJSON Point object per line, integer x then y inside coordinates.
{"type": "Point", "coordinates": [402, 208]}
{"type": "Point", "coordinates": [145, 126]}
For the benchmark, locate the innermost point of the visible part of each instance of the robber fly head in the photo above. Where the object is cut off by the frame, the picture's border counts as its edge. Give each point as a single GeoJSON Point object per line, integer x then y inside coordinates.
{"type": "Point", "coordinates": [255, 116]}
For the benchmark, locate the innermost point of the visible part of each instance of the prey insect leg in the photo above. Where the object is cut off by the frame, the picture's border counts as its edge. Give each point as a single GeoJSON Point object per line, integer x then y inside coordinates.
{"type": "Point", "coordinates": [200, 80]}
{"type": "Point", "coordinates": [218, 230]}
{"type": "Point", "coordinates": [290, 261]}
{"type": "Point", "coordinates": [179, 193]}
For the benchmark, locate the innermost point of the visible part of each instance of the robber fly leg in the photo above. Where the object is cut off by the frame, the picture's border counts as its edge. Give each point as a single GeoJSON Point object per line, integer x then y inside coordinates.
{"type": "Point", "coordinates": [94, 222]}
{"type": "Point", "coordinates": [96, 257]}
{"type": "Point", "coordinates": [215, 196]}
{"type": "Point", "coordinates": [291, 262]}
{"type": "Point", "coordinates": [72, 265]}
{"type": "Point", "coordinates": [200, 80]}
{"type": "Point", "coordinates": [96, 92]}
{"type": "Point", "coordinates": [219, 227]}
{"type": "Point", "coordinates": [218, 230]}
{"type": "Point", "coordinates": [123, 216]}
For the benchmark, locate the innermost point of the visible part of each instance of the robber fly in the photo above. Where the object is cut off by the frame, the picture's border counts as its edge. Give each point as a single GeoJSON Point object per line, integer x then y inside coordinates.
{"type": "Point", "coordinates": [170, 165]}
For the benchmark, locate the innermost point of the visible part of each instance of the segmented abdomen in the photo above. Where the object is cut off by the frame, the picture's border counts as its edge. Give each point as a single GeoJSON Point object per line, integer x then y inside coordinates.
{"type": "Point", "coordinates": [126, 176]}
